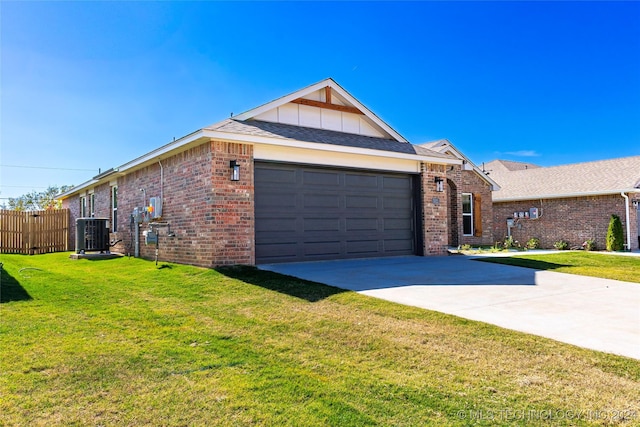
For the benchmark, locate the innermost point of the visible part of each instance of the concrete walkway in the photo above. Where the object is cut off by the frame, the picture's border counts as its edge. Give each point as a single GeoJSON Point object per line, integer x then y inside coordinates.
{"type": "Point", "coordinates": [599, 314]}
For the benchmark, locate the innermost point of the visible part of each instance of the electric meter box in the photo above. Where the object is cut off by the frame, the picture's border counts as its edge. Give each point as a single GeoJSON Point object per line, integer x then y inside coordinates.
{"type": "Point", "coordinates": [533, 213]}
{"type": "Point", "coordinates": [155, 207]}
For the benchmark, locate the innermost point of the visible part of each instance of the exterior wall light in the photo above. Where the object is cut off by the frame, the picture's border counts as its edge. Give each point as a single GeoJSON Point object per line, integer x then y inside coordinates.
{"type": "Point", "coordinates": [235, 170]}
{"type": "Point", "coordinates": [439, 184]}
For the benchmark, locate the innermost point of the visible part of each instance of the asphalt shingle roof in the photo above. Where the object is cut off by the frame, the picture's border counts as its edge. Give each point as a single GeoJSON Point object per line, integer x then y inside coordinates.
{"type": "Point", "coordinates": [601, 177]}
{"type": "Point", "coordinates": [322, 136]}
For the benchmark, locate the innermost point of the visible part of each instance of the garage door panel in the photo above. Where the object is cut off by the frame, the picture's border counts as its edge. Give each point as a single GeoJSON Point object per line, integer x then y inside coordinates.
{"type": "Point", "coordinates": [398, 224]}
{"type": "Point", "coordinates": [321, 201]}
{"type": "Point", "coordinates": [321, 178]}
{"type": "Point", "coordinates": [331, 213]}
{"type": "Point", "coordinates": [363, 247]}
{"type": "Point", "coordinates": [278, 175]}
{"type": "Point", "coordinates": [397, 203]}
{"type": "Point", "coordinates": [361, 224]}
{"type": "Point", "coordinates": [321, 224]}
{"type": "Point", "coordinates": [397, 245]}
{"type": "Point", "coordinates": [396, 183]}
{"type": "Point", "coordinates": [361, 202]}
{"type": "Point", "coordinates": [276, 225]}
{"type": "Point", "coordinates": [361, 181]}
{"type": "Point", "coordinates": [327, 248]}
{"type": "Point", "coordinates": [276, 200]}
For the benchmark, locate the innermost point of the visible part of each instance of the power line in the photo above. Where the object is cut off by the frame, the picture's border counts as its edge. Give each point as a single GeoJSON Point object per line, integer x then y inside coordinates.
{"type": "Point", "coordinates": [45, 167]}
{"type": "Point", "coordinates": [20, 186]}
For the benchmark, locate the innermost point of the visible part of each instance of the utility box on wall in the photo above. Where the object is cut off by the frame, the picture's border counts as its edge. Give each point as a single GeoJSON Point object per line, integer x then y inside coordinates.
{"type": "Point", "coordinates": [155, 207]}
{"type": "Point", "coordinates": [533, 213]}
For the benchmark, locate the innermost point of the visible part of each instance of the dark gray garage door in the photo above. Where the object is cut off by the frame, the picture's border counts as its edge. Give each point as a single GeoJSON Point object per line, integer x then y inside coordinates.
{"type": "Point", "coordinates": [306, 213]}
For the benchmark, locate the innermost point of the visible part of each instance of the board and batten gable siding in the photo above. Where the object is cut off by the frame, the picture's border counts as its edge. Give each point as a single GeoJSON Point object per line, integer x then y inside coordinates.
{"type": "Point", "coordinates": [322, 118]}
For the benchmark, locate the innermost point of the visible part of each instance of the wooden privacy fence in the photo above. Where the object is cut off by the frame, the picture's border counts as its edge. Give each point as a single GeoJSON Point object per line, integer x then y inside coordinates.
{"type": "Point", "coordinates": [34, 232]}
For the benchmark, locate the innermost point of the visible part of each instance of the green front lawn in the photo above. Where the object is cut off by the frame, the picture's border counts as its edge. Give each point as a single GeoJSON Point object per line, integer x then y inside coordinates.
{"type": "Point", "coordinates": [123, 342]}
{"type": "Point", "coordinates": [607, 266]}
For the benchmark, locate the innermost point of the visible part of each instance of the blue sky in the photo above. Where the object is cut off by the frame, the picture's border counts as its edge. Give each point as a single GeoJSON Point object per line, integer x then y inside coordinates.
{"type": "Point", "coordinates": [88, 85]}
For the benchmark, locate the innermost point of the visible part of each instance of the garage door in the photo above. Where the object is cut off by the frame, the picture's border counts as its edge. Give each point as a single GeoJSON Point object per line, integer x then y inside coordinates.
{"type": "Point", "coordinates": [306, 213]}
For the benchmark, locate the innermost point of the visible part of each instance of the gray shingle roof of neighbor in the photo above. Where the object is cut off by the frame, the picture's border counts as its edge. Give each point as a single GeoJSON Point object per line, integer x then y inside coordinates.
{"type": "Point", "coordinates": [580, 179]}
{"type": "Point", "coordinates": [508, 166]}
{"type": "Point", "coordinates": [322, 136]}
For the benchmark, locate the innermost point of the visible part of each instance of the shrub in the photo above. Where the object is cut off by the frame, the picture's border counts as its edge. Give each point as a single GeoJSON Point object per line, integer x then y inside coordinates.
{"type": "Point", "coordinates": [509, 243]}
{"type": "Point", "coordinates": [615, 235]}
{"type": "Point", "coordinates": [561, 245]}
{"type": "Point", "coordinates": [533, 243]}
{"type": "Point", "coordinates": [589, 245]}
{"type": "Point", "coordinates": [465, 247]}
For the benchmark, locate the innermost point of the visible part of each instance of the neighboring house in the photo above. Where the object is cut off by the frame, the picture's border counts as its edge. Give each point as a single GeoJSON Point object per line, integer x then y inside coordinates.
{"type": "Point", "coordinates": [469, 199]}
{"type": "Point", "coordinates": [313, 175]}
{"type": "Point", "coordinates": [570, 202]}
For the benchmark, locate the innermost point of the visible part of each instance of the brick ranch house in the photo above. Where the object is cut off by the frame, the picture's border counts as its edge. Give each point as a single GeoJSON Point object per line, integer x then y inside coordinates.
{"type": "Point", "coordinates": [573, 202]}
{"type": "Point", "coordinates": [313, 175]}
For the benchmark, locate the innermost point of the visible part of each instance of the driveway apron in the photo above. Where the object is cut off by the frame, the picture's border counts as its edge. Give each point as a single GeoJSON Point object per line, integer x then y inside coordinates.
{"type": "Point", "coordinates": [598, 314]}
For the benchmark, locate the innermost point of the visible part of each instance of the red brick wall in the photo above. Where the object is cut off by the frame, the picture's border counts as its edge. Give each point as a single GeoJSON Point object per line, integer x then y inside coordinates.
{"type": "Point", "coordinates": [572, 219]}
{"type": "Point", "coordinates": [212, 217]}
{"type": "Point", "coordinates": [435, 215]}
{"type": "Point", "coordinates": [474, 184]}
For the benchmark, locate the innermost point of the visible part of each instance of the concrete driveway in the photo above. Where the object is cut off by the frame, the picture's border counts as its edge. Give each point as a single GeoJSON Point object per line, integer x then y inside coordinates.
{"type": "Point", "coordinates": [599, 314]}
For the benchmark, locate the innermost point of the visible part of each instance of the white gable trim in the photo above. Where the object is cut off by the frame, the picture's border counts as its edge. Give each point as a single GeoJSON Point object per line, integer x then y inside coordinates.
{"type": "Point", "coordinates": [313, 88]}
{"type": "Point", "coordinates": [443, 145]}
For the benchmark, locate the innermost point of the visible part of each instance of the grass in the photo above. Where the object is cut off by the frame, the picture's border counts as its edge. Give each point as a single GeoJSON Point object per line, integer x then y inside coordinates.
{"type": "Point", "coordinates": [122, 342]}
{"type": "Point", "coordinates": [607, 266]}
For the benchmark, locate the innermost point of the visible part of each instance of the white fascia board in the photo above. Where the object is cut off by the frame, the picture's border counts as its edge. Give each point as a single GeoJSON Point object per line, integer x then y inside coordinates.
{"type": "Point", "coordinates": [281, 101]}
{"type": "Point", "coordinates": [254, 139]}
{"type": "Point", "coordinates": [77, 189]}
{"type": "Point", "coordinates": [151, 157]}
{"type": "Point", "coordinates": [565, 196]}
{"type": "Point", "coordinates": [445, 142]}
{"type": "Point", "coordinates": [314, 87]}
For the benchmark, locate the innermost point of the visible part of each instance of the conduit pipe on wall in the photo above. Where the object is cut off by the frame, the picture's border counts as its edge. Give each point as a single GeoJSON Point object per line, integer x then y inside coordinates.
{"type": "Point", "coordinates": [161, 181]}
{"type": "Point", "coordinates": [626, 212]}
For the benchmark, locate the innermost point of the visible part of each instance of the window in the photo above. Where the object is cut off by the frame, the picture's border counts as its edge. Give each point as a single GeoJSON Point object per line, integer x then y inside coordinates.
{"type": "Point", "coordinates": [92, 205]}
{"type": "Point", "coordinates": [114, 209]}
{"type": "Point", "coordinates": [83, 207]}
{"type": "Point", "coordinates": [467, 214]}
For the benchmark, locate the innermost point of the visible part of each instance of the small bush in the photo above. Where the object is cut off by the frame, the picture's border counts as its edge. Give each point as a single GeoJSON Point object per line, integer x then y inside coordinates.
{"type": "Point", "coordinates": [509, 243]}
{"type": "Point", "coordinates": [533, 243]}
{"type": "Point", "coordinates": [589, 245]}
{"type": "Point", "coordinates": [465, 247]}
{"type": "Point", "coordinates": [615, 235]}
{"type": "Point", "coordinates": [561, 245]}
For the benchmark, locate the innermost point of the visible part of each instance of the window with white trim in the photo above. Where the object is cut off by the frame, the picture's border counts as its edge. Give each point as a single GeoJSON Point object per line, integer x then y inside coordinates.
{"type": "Point", "coordinates": [114, 208]}
{"type": "Point", "coordinates": [83, 207]}
{"type": "Point", "coordinates": [467, 214]}
{"type": "Point", "coordinates": [92, 205]}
